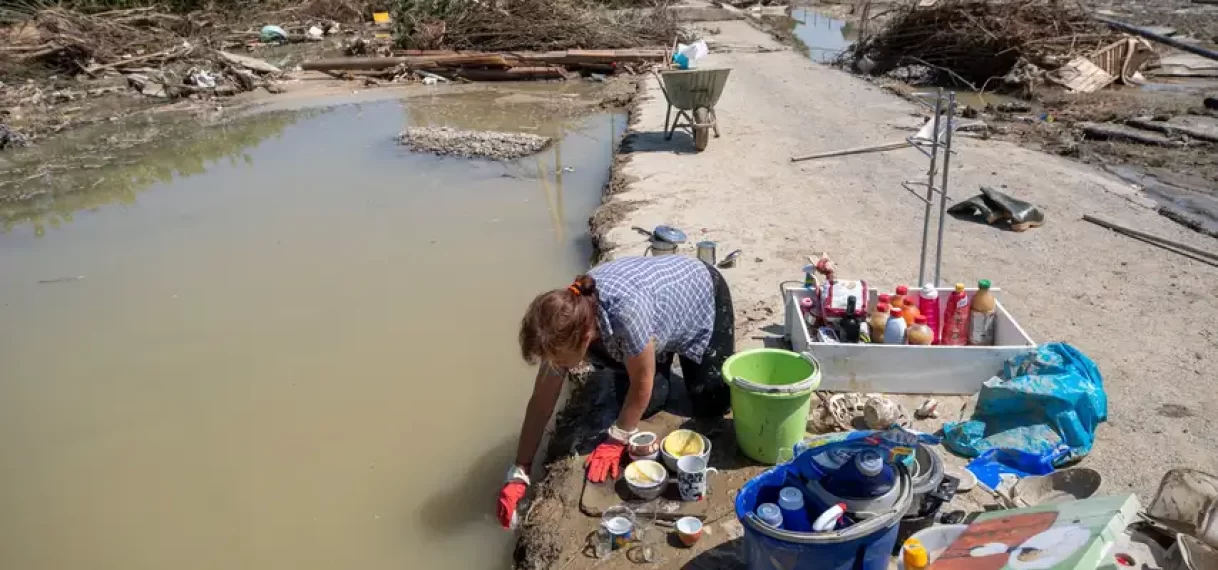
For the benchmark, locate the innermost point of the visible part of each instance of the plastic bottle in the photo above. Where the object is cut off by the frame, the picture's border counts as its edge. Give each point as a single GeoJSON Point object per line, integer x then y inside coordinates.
{"type": "Point", "coordinates": [805, 308]}
{"type": "Point", "coordinates": [982, 315]}
{"type": "Point", "coordinates": [955, 318]}
{"type": "Point", "coordinates": [909, 310]}
{"type": "Point", "coordinates": [878, 320]}
{"type": "Point", "coordinates": [794, 517]}
{"type": "Point", "coordinates": [770, 514]}
{"type": "Point", "coordinates": [827, 520]}
{"type": "Point", "coordinates": [865, 475]}
{"type": "Point", "coordinates": [920, 333]}
{"type": "Point", "coordinates": [894, 330]}
{"type": "Point", "coordinates": [928, 306]}
{"type": "Point", "coordinates": [898, 299]}
{"type": "Point", "coordinates": [849, 323]}
{"type": "Point", "coordinates": [884, 298]}
{"type": "Point", "coordinates": [914, 555]}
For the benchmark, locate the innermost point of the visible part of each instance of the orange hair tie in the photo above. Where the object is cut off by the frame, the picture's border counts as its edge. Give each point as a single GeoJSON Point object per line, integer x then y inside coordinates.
{"type": "Point", "coordinates": [574, 289]}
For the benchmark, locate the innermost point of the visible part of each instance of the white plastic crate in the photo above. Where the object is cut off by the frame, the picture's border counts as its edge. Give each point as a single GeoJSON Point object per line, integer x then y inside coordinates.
{"type": "Point", "coordinates": [901, 369]}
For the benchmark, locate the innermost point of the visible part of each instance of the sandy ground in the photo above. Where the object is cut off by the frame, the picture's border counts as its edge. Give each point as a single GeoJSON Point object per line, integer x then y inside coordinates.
{"type": "Point", "coordinates": [1141, 313]}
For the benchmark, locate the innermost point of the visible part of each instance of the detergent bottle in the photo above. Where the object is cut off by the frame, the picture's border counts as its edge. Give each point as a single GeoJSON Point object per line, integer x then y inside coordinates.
{"type": "Point", "coordinates": [894, 330]}
{"type": "Point", "coordinates": [928, 306]}
{"type": "Point", "coordinates": [955, 318]}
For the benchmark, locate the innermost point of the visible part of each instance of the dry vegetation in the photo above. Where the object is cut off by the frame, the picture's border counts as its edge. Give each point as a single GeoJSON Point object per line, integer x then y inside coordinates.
{"type": "Point", "coordinates": [977, 43]}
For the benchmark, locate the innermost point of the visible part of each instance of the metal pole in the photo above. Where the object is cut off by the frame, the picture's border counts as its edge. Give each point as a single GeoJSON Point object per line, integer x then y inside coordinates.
{"type": "Point", "coordinates": [947, 159]}
{"type": "Point", "coordinates": [930, 185]}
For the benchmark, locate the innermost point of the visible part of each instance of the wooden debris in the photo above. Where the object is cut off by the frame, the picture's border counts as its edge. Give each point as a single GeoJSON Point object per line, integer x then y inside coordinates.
{"type": "Point", "coordinates": [1195, 126]}
{"type": "Point", "coordinates": [513, 74]}
{"type": "Point", "coordinates": [849, 151]}
{"type": "Point", "coordinates": [1113, 131]}
{"type": "Point", "coordinates": [1173, 42]}
{"type": "Point", "coordinates": [1081, 75]}
{"type": "Point", "coordinates": [1162, 242]}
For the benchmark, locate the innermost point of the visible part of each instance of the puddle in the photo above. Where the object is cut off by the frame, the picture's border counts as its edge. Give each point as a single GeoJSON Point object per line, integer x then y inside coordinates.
{"type": "Point", "coordinates": [294, 345]}
{"type": "Point", "coordinates": [821, 37]}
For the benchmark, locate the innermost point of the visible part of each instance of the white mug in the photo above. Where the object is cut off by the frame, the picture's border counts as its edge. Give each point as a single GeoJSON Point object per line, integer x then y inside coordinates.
{"type": "Point", "coordinates": [692, 477]}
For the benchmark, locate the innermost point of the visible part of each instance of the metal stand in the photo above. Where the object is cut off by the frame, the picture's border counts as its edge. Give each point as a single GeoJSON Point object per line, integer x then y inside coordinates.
{"type": "Point", "coordinates": [932, 143]}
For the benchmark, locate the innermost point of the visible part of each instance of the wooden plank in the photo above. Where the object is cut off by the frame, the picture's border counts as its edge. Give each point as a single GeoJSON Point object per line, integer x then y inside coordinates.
{"type": "Point", "coordinates": [1179, 126]}
{"type": "Point", "coordinates": [513, 74]}
{"type": "Point", "coordinates": [1113, 131]}
{"type": "Point", "coordinates": [669, 506]}
{"type": "Point", "coordinates": [420, 62]}
{"type": "Point", "coordinates": [1151, 238]}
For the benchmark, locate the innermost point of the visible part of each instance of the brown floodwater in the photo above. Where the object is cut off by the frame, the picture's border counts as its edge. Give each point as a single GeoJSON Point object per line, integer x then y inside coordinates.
{"type": "Point", "coordinates": [280, 342]}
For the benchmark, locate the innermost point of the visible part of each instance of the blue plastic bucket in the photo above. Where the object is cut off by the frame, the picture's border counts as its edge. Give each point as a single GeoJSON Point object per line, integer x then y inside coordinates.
{"type": "Point", "coordinates": [864, 545]}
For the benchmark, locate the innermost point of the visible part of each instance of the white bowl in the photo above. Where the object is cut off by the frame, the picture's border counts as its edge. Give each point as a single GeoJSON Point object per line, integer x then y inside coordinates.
{"type": "Point", "coordinates": [670, 460]}
{"type": "Point", "coordinates": [646, 479]}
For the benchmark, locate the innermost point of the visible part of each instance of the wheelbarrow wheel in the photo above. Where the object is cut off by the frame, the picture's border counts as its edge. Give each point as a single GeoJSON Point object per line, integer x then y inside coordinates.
{"type": "Point", "coordinates": [702, 116]}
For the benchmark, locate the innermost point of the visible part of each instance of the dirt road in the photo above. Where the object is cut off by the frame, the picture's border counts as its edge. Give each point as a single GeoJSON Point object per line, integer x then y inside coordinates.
{"type": "Point", "coordinates": [1144, 315]}
{"type": "Point", "coordinates": [1141, 313]}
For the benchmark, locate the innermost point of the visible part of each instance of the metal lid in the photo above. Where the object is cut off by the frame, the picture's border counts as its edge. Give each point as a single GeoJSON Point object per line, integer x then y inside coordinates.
{"type": "Point", "coordinates": [668, 234]}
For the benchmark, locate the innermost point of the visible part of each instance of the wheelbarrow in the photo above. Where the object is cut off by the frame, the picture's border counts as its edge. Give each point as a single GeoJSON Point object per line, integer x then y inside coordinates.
{"type": "Point", "coordinates": [693, 93]}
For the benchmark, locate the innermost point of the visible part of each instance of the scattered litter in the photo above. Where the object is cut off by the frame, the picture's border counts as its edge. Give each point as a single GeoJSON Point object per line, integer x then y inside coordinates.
{"type": "Point", "coordinates": [273, 35]}
{"type": "Point", "coordinates": [201, 78]}
{"type": "Point", "coordinates": [380, 17]}
{"type": "Point", "coordinates": [928, 409]}
{"type": "Point", "coordinates": [1043, 400]}
{"type": "Point", "coordinates": [687, 56]}
{"type": "Point", "coordinates": [472, 144]}
{"type": "Point", "coordinates": [315, 34]}
{"type": "Point", "coordinates": [997, 208]}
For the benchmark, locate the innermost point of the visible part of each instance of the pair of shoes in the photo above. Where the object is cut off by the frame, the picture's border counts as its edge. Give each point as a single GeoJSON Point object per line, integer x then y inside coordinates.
{"type": "Point", "coordinates": [995, 207]}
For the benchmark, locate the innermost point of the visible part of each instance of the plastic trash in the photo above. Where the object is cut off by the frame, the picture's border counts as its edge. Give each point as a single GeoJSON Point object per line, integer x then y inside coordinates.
{"type": "Point", "coordinates": [990, 466]}
{"type": "Point", "coordinates": [315, 33]}
{"type": "Point", "coordinates": [1044, 400]}
{"type": "Point", "coordinates": [273, 34]}
{"type": "Point", "coordinates": [688, 55]}
{"type": "Point", "coordinates": [200, 78]}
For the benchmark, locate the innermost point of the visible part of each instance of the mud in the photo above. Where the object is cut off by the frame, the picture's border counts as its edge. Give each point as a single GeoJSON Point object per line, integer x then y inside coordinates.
{"type": "Point", "coordinates": [447, 141]}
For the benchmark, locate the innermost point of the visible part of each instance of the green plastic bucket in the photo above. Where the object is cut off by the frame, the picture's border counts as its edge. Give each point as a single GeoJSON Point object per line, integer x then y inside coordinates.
{"type": "Point", "coordinates": [771, 392]}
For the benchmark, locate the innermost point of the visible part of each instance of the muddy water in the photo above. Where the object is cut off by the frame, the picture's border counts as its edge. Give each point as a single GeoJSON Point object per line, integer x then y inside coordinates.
{"type": "Point", "coordinates": [293, 344]}
{"type": "Point", "coordinates": [824, 37]}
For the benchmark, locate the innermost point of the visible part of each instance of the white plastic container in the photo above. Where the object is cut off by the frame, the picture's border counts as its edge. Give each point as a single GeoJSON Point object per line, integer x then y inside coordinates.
{"type": "Point", "coordinates": [935, 539]}
{"type": "Point", "coordinates": [905, 369]}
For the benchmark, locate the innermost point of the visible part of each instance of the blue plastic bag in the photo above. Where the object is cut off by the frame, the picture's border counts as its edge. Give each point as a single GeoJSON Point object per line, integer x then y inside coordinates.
{"type": "Point", "coordinates": [1043, 401]}
{"type": "Point", "coordinates": [991, 465]}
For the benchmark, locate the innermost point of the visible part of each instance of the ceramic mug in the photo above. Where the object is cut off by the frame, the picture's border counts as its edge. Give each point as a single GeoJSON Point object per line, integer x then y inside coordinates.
{"type": "Point", "coordinates": [692, 475]}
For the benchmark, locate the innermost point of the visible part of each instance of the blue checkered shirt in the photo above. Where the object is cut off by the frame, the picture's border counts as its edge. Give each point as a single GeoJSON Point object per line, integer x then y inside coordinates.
{"type": "Point", "coordinates": [669, 299]}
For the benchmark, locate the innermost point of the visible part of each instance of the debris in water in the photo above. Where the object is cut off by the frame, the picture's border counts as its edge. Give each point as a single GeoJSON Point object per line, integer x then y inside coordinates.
{"type": "Point", "coordinates": [448, 141]}
{"type": "Point", "coordinates": [10, 138]}
{"type": "Point", "coordinates": [61, 280]}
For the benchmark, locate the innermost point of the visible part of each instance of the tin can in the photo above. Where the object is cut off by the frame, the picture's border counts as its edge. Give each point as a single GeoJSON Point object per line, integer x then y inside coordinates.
{"type": "Point", "coordinates": [706, 252]}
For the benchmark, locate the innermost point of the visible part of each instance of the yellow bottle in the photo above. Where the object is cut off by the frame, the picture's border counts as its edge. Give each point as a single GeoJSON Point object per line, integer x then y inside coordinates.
{"type": "Point", "coordinates": [915, 555]}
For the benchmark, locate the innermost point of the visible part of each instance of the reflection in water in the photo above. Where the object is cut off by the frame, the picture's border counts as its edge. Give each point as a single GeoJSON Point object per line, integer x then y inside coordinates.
{"type": "Point", "coordinates": [303, 357]}
{"type": "Point", "coordinates": [47, 186]}
{"type": "Point", "coordinates": [820, 37]}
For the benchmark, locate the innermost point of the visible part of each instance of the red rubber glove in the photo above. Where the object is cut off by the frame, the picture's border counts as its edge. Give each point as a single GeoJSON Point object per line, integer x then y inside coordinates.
{"type": "Point", "coordinates": [605, 461]}
{"type": "Point", "coordinates": [509, 496]}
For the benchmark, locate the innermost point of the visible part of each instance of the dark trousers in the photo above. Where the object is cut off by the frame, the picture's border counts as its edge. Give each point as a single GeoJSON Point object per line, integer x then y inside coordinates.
{"type": "Point", "coordinates": [709, 396]}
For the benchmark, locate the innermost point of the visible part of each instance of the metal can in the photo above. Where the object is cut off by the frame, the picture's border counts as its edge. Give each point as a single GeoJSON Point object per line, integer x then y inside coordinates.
{"type": "Point", "coordinates": [706, 252]}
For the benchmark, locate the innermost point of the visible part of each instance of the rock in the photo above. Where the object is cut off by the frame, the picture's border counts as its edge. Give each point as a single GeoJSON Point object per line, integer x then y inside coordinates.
{"type": "Point", "coordinates": [447, 141]}
{"type": "Point", "coordinates": [11, 139]}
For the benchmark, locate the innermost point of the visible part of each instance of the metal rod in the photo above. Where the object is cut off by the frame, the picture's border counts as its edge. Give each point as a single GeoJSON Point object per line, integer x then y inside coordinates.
{"type": "Point", "coordinates": [908, 185]}
{"type": "Point", "coordinates": [947, 157]}
{"type": "Point", "coordinates": [930, 185]}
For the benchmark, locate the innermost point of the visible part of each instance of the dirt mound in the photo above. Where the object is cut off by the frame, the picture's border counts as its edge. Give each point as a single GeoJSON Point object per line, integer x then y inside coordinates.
{"type": "Point", "coordinates": [447, 141]}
